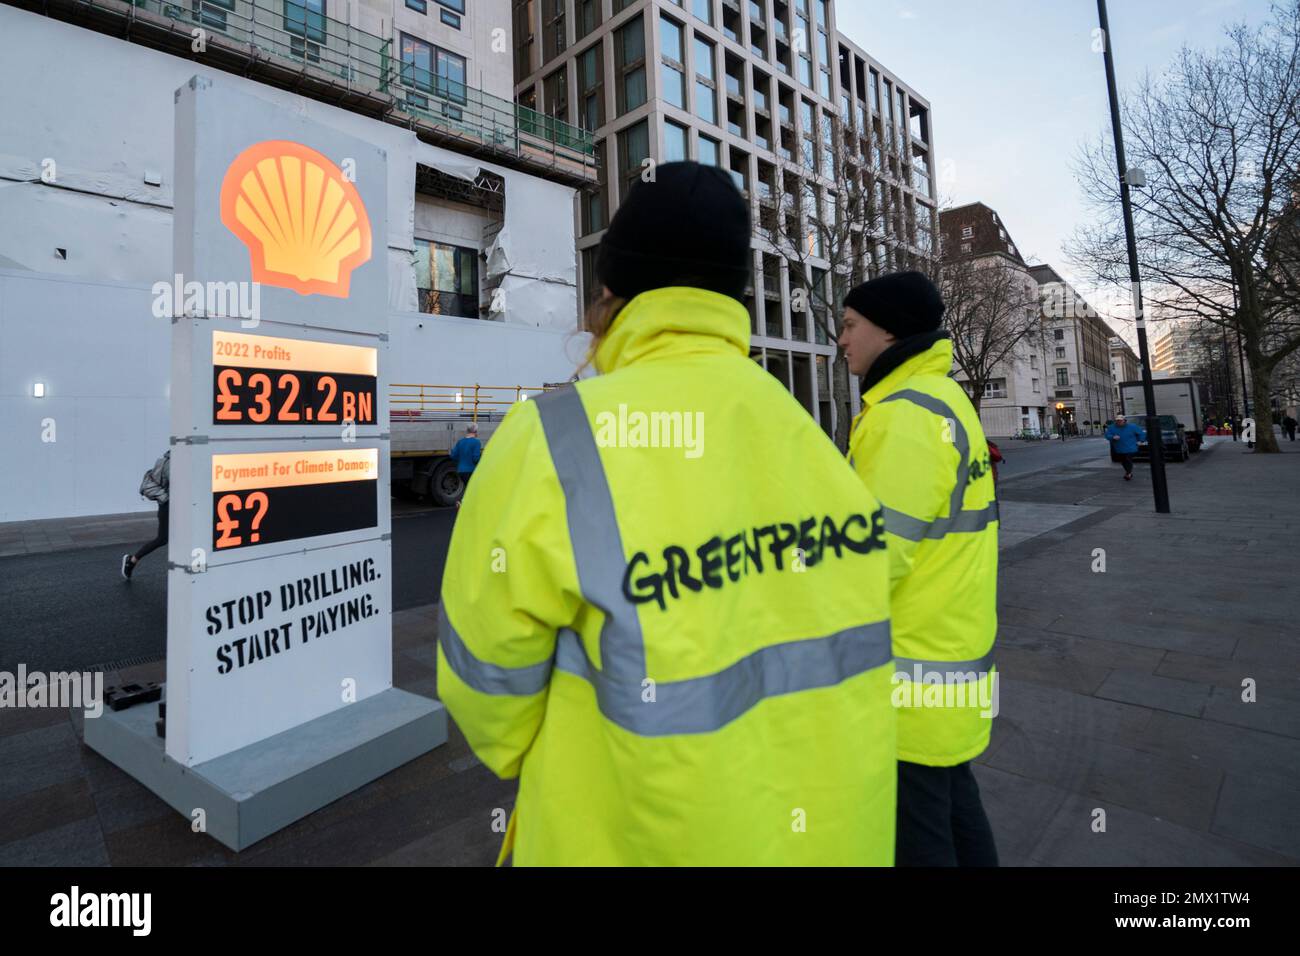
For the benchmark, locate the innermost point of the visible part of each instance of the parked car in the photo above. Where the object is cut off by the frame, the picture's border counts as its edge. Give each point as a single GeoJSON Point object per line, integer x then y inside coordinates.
{"type": "Point", "coordinates": [1174, 437]}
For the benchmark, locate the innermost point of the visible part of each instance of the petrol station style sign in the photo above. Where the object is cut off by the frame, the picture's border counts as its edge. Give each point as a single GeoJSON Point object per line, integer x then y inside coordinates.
{"type": "Point", "coordinates": [263, 380]}
{"type": "Point", "coordinates": [279, 693]}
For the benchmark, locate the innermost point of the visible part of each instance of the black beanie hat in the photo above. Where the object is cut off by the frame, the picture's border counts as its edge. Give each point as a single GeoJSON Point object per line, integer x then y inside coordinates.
{"type": "Point", "coordinates": [689, 226]}
{"type": "Point", "coordinates": [902, 303]}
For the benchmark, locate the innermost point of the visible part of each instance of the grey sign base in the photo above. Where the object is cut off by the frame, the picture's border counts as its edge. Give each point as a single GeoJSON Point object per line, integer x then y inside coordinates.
{"type": "Point", "coordinates": [252, 792]}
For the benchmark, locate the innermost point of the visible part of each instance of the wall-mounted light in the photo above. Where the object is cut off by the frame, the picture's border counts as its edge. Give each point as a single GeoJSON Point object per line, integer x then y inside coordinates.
{"type": "Point", "coordinates": [38, 390]}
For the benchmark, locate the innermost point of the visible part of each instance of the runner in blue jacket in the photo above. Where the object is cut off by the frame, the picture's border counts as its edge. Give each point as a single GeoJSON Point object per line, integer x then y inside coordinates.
{"type": "Point", "coordinates": [1124, 440]}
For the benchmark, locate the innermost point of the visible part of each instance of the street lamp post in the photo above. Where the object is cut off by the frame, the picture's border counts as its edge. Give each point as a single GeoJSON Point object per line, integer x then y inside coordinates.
{"type": "Point", "coordinates": [1155, 439]}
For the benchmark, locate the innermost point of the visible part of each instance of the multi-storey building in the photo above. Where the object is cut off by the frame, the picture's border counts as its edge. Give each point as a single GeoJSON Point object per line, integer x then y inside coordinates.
{"type": "Point", "coordinates": [768, 90]}
{"type": "Point", "coordinates": [1078, 343]}
{"type": "Point", "coordinates": [481, 191]}
{"type": "Point", "coordinates": [1179, 351]}
{"type": "Point", "coordinates": [1016, 396]}
{"type": "Point", "coordinates": [1212, 356]}
{"type": "Point", "coordinates": [1124, 367]}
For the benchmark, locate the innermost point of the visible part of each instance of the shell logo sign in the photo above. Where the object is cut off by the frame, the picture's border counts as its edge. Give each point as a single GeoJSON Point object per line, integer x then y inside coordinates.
{"type": "Point", "coordinates": [303, 222]}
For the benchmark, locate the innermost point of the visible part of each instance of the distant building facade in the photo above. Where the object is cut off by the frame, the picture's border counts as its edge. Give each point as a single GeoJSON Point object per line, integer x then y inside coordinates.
{"type": "Point", "coordinates": [1078, 343]}
{"type": "Point", "coordinates": [1016, 397]}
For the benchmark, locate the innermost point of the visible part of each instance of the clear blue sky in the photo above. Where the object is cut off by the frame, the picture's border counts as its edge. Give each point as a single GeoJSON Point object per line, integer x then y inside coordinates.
{"type": "Point", "coordinates": [1015, 87]}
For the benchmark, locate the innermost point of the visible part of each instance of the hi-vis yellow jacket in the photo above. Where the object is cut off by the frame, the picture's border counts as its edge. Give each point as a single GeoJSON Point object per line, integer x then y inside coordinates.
{"type": "Point", "coordinates": [665, 608]}
{"type": "Point", "coordinates": [918, 445]}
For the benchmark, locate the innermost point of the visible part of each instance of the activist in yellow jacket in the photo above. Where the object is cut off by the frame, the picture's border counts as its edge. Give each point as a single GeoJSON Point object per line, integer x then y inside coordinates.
{"type": "Point", "coordinates": [677, 642]}
{"type": "Point", "coordinates": [651, 616]}
{"type": "Point", "coordinates": [918, 445]}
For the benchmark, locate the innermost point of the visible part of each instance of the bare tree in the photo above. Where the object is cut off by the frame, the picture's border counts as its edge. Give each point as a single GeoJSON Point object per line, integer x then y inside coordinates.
{"type": "Point", "coordinates": [991, 316]}
{"type": "Point", "coordinates": [835, 232]}
{"type": "Point", "coordinates": [1219, 139]}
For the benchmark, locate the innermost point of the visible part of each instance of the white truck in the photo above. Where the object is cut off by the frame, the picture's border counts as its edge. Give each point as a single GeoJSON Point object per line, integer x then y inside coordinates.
{"type": "Point", "coordinates": [426, 421]}
{"type": "Point", "coordinates": [1179, 397]}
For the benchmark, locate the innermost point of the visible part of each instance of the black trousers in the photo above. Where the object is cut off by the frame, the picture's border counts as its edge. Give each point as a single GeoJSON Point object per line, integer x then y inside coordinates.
{"type": "Point", "coordinates": [1126, 461]}
{"type": "Point", "coordinates": [161, 538]}
{"type": "Point", "coordinates": [941, 821]}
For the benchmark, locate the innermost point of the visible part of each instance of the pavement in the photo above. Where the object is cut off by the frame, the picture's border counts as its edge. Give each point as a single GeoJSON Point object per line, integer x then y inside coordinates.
{"type": "Point", "coordinates": [1123, 736]}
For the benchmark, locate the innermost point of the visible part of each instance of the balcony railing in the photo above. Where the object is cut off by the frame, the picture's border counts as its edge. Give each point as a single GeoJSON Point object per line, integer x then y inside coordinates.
{"type": "Point", "coordinates": [321, 47]}
{"type": "Point", "coordinates": [461, 108]}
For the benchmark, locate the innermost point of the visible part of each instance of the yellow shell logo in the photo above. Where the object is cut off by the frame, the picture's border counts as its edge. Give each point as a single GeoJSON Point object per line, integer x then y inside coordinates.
{"type": "Point", "coordinates": [303, 222]}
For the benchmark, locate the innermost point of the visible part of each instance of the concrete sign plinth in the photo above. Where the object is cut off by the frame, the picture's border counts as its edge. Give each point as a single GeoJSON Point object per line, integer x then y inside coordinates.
{"type": "Point", "coordinates": [250, 793]}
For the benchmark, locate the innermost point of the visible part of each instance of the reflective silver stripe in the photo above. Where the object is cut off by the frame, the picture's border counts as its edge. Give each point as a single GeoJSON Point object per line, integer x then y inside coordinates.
{"type": "Point", "coordinates": [915, 529]}
{"type": "Point", "coordinates": [975, 520]}
{"type": "Point", "coordinates": [484, 677]}
{"type": "Point", "coordinates": [593, 530]}
{"type": "Point", "coordinates": [904, 525]}
{"type": "Point", "coordinates": [946, 672]}
{"type": "Point", "coordinates": [704, 704]}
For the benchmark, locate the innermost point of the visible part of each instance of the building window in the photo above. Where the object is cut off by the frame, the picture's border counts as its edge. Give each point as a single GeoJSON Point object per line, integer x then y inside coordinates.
{"type": "Point", "coordinates": [1036, 388]}
{"type": "Point", "coordinates": [554, 37]}
{"type": "Point", "coordinates": [555, 94]}
{"type": "Point", "coordinates": [591, 87]}
{"type": "Point", "coordinates": [828, 146]}
{"type": "Point", "coordinates": [523, 32]}
{"type": "Point", "coordinates": [1062, 376]}
{"type": "Point", "coordinates": [706, 106]}
{"type": "Point", "coordinates": [965, 247]}
{"type": "Point", "coordinates": [594, 202]}
{"type": "Point", "coordinates": [590, 285]}
{"type": "Point", "coordinates": [672, 70]}
{"type": "Point", "coordinates": [1060, 352]}
{"type": "Point", "coordinates": [703, 9]}
{"type": "Point", "coordinates": [674, 142]}
{"type": "Point", "coordinates": [426, 67]}
{"type": "Point", "coordinates": [586, 16]}
{"type": "Point", "coordinates": [629, 50]}
{"type": "Point", "coordinates": [449, 18]}
{"type": "Point", "coordinates": [967, 232]}
{"type": "Point", "coordinates": [633, 151]}
{"type": "Point", "coordinates": [419, 6]}
{"type": "Point", "coordinates": [1033, 361]}
{"type": "Point", "coordinates": [457, 5]}
{"type": "Point", "coordinates": [447, 279]}
{"type": "Point", "coordinates": [1058, 334]}
{"type": "Point", "coordinates": [709, 154]}
{"type": "Point", "coordinates": [306, 21]}
{"type": "Point", "coordinates": [809, 131]}
{"type": "Point", "coordinates": [212, 13]}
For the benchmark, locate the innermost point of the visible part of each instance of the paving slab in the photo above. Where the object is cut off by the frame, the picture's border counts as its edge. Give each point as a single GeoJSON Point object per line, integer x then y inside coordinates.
{"type": "Point", "coordinates": [1261, 813]}
{"type": "Point", "coordinates": [1159, 693]}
